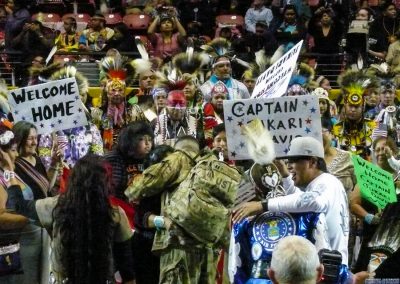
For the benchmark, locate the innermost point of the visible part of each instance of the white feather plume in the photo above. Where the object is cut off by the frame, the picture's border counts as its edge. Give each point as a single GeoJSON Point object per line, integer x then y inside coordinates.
{"type": "Point", "coordinates": [141, 48]}
{"type": "Point", "coordinates": [277, 54]}
{"type": "Point", "coordinates": [259, 142]}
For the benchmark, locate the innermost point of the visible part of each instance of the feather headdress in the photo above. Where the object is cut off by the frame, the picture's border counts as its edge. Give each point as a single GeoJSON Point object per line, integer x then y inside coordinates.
{"type": "Point", "coordinates": [389, 79]}
{"type": "Point", "coordinates": [303, 76]}
{"type": "Point", "coordinates": [217, 47]}
{"type": "Point", "coordinates": [259, 142]}
{"type": "Point", "coordinates": [45, 72]}
{"type": "Point", "coordinates": [72, 72]}
{"type": "Point", "coordinates": [354, 84]}
{"type": "Point", "coordinates": [261, 63]}
{"type": "Point", "coordinates": [142, 64]}
{"type": "Point", "coordinates": [190, 62]}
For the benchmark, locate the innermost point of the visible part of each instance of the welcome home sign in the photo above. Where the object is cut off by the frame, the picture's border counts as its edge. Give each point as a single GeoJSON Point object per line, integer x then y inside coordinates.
{"type": "Point", "coordinates": [50, 106]}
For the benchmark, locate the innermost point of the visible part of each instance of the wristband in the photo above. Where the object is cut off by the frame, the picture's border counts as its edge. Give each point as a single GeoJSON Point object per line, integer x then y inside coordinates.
{"type": "Point", "coordinates": [8, 175]}
{"type": "Point", "coordinates": [368, 218]}
{"type": "Point", "coordinates": [159, 222]}
{"type": "Point", "coordinates": [264, 205]}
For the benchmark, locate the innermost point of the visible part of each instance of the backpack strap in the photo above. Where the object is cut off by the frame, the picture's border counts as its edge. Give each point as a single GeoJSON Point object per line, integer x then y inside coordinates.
{"type": "Point", "coordinates": [192, 160]}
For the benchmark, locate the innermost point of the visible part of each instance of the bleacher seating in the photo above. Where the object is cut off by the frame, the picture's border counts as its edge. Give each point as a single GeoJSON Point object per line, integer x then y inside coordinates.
{"type": "Point", "coordinates": [113, 19]}
{"type": "Point", "coordinates": [137, 22]}
{"type": "Point", "coordinates": [47, 17]}
{"type": "Point", "coordinates": [230, 20]}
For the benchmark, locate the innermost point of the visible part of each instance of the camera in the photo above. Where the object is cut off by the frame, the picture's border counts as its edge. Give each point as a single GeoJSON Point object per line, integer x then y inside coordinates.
{"type": "Point", "coordinates": [332, 261]}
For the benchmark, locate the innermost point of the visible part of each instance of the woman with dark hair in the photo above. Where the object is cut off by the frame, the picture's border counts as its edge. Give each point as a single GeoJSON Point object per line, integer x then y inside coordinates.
{"type": "Point", "coordinates": [291, 30]}
{"type": "Point", "coordinates": [30, 169]}
{"type": "Point", "coordinates": [127, 158]}
{"type": "Point", "coordinates": [167, 42]}
{"type": "Point", "coordinates": [90, 237]}
{"type": "Point", "coordinates": [11, 225]}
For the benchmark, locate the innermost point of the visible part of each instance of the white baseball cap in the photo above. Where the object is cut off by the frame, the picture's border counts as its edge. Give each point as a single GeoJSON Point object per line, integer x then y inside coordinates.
{"type": "Point", "coordinates": [305, 147]}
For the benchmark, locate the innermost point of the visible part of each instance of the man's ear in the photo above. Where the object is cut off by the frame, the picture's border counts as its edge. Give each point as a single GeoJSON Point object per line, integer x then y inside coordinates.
{"type": "Point", "coordinates": [271, 275]}
{"type": "Point", "coordinates": [320, 272]}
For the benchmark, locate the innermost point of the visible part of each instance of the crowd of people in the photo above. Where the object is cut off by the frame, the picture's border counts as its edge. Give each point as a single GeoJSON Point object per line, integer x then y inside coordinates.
{"type": "Point", "coordinates": [146, 191]}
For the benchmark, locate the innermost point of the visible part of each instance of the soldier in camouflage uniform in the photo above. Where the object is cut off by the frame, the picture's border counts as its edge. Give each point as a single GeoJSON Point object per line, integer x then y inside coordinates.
{"type": "Point", "coordinates": [182, 258]}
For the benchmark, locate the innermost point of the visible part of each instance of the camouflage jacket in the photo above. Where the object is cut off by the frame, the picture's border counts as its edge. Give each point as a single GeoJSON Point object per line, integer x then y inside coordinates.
{"type": "Point", "coordinates": [164, 178]}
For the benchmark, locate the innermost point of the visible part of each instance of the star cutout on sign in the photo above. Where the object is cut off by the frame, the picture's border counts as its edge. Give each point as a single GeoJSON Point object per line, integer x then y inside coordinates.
{"type": "Point", "coordinates": [313, 110]}
{"type": "Point", "coordinates": [52, 125]}
{"type": "Point", "coordinates": [42, 125]}
{"type": "Point", "coordinates": [16, 112]}
{"type": "Point", "coordinates": [233, 154]}
{"type": "Point", "coordinates": [308, 121]}
{"type": "Point", "coordinates": [23, 118]}
{"type": "Point", "coordinates": [305, 102]}
{"type": "Point", "coordinates": [241, 144]}
{"type": "Point", "coordinates": [76, 97]}
{"type": "Point", "coordinates": [240, 123]}
{"type": "Point", "coordinates": [59, 121]}
{"type": "Point", "coordinates": [240, 108]}
{"type": "Point", "coordinates": [230, 118]}
{"type": "Point", "coordinates": [286, 150]}
{"type": "Point", "coordinates": [308, 130]}
{"type": "Point", "coordinates": [79, 109]}
{"type": "Point", "coordinates": [75, 122]}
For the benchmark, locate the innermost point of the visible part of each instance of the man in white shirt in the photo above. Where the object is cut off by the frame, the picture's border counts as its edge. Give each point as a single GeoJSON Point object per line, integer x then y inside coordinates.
{"type": "Point", "coordinates": [258, 13]}
{"type": "Point", "coordinates": [309, 188]}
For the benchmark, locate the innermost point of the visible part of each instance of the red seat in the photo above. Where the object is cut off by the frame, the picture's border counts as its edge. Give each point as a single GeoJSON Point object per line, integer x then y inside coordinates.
{"type": "Point", "coordinates": [230, 20]}
{"type": "Point", "coordinates": [113, 19]}
{"type": "Point", "coordinates": [46, 17]}
{"type": "Point", "coordinates": [78, 17]}
{"type": "Point", "coordinates": [137, 21]}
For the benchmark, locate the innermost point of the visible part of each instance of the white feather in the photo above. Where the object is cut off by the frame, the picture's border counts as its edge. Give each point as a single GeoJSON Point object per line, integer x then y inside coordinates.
{"type": "Point", "coordinates": [259, 142]}
{"type": "Point", "coordinates": [141, 48]}
{"type": "Point", "coordinates": [141, 65]}
{"type": "Point", "coordinates": [190, 50]}
{"type": "Point", "coordinates": [277, 54]}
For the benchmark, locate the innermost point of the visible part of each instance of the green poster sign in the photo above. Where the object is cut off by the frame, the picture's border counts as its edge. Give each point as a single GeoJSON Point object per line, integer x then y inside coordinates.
{"type": "Point", "coordinates": [376, 185]}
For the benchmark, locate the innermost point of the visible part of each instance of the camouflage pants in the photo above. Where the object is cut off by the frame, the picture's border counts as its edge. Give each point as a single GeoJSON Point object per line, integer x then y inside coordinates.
{"type": "Point", "coordinates": [188, 266]}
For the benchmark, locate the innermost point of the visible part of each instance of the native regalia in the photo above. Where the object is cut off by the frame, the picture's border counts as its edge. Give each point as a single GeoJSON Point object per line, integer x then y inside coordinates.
{"type": "Point", "coordinates": [115, 112]}
{"type": "Point", "coordinates": [302, 81]}
{"type": "Point", "coordinates": [355, 136]}
{"type": "Point", "coordinates": [386, 117]}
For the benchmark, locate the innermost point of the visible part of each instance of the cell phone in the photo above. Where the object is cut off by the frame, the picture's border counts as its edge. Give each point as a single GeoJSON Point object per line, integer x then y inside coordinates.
{"type": "Point", "coordinates": [332, 261]}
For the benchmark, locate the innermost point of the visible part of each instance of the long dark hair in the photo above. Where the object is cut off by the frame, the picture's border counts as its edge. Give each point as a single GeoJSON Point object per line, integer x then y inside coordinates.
{"type": "Point", "coordinates": [84, 221]}
{"type": "Point", "coordinates": [21, 131]}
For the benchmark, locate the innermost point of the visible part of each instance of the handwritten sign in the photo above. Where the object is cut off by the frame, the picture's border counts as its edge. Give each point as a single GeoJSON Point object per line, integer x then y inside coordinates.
{"type": "Point", "coordinates": [274, 81]}
{"type": "Point", "coordinates": [376, 185]}
{"type": "Point", "coordinates": [285, 118]}
{"type": "Point", "coordinates": [50, 106]}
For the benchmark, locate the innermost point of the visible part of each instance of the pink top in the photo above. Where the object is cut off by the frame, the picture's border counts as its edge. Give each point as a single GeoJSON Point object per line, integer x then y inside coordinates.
{"type": "Point", "coordinates": [163, 50]}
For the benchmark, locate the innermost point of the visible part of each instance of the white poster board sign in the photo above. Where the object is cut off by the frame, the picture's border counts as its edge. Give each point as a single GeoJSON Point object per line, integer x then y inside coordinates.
{"type": "Point", "coordinates": [50, 106]}
{"type": "Point", "coordinates": [285, 118]}
{"type": "Point", "coordinates": [274, 81]}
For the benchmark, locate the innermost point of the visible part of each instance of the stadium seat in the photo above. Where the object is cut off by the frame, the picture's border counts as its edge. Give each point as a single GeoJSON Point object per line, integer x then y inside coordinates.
{"type": "Point", "coordinates": [138, 22]}
{"type": "Point", "coordinates": [113, 19]}
{"type": "Point", "coordinates": [230, 20]}
{"type": "Point", "coordinates": [46, 17]}
{"type": "Point", "coordinates": [50, 6]}
{"type": "Point", "coordinates": [78, 17]}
